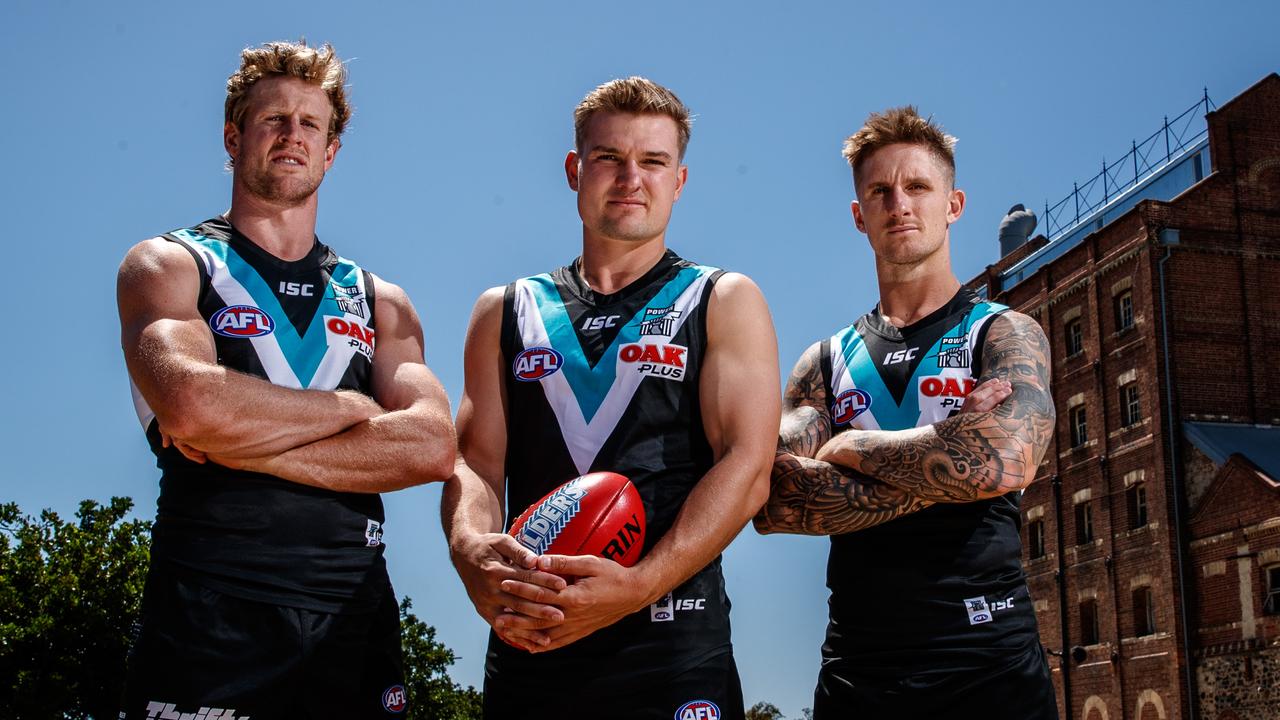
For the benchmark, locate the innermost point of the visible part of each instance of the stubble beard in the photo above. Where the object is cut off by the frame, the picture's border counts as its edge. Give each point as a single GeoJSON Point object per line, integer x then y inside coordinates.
{"type": "Point", "coordinates": [291, 191]}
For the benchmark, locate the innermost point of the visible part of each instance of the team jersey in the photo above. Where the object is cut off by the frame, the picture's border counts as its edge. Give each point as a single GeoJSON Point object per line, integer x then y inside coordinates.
{"type": "Point", "coordinates": [610, 383]}
{"type": "Point", "coordinates": [942, 588]}
{"type": "Point", "coordinates": [304, 324]}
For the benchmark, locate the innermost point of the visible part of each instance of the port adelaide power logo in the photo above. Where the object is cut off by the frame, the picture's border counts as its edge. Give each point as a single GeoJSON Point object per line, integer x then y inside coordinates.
{"type": "Point", "coordinates": [953, 352]}
{"type": "Point", "coordinates": [653, 354]}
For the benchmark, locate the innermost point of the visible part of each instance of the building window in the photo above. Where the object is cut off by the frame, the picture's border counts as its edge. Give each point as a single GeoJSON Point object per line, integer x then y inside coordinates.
{"type": "Point", "coordinates": [1075, 337]}
{"type": "Point", "coordinates": [1079, 426]}
{"type": "Point", "coordinates": [1130, 407]}
{"type": "Point", "coordinates": [1144, 612]}
{"type": "Point", "coordinates": [1089, 622]}
{"type": "Point", "coordinates": [1271, 606]}
{"type": "Point", "coordinates": [1084, 523]}
{"type": "Point", "coordinates": [1035, 539]}
{"type": "Point", "coordinates": [1136, 496]}
{"type": "Point", "coordinates": [1124, 310]}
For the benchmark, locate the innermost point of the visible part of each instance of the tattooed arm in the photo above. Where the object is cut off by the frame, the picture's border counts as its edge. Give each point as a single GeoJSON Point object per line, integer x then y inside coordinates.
{"type": "Point", "coordinates": [812, 497]}
{"type": "Point", "coordinates": [971, 456]}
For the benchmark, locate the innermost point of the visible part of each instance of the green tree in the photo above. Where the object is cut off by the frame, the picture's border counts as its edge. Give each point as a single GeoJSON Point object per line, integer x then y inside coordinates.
{"type": "Point", "coordinates": [764, 711]}
{"type": "Point", "coordinates": [69, 593]}
{"type": "Point", "coordinates": [432, 693]}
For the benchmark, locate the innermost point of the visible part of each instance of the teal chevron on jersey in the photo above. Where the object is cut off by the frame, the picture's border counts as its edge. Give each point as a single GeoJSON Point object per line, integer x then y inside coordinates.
{"type": "Point", "coordinates": [590, 384]}
{"type": "Point", "coordinates": [303, 353]}
{"type": "Point", "coordinates": [864, 371]}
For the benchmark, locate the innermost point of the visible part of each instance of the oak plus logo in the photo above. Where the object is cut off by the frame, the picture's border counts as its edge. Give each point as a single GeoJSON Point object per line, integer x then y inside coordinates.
{"type": "Point", "coordinates": [352, 333]}
{"type": "Point", "coordinates": [655, 359]}
{"type": "Point", "coordinates": [947, 392]}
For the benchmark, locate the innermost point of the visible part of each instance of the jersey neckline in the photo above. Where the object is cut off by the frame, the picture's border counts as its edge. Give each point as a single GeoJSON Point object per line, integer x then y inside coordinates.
{"type": "Point", "coordinates": [318, 256]}
{"type": "Point", "coordinates": [571, 278]}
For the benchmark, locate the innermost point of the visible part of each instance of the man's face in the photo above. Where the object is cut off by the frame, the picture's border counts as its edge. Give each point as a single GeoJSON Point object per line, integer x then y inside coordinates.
{"type": "Point", "coordinates": [627, 176]}
{"type": "Point", "coordinates": [905, 203]}
{"type": "Point", "coordinates": [282, 150]}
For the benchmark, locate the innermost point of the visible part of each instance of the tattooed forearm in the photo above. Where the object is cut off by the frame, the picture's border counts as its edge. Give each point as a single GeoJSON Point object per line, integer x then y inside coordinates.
{"type": "Point", "coordinates": [805, 423]}
{"type": "Point", "coordinates": [815, 498]}
{"type": "Point", "coordinates": [969, 456]}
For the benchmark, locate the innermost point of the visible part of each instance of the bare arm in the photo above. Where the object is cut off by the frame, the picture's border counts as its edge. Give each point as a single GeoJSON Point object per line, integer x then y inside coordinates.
{"type": "Point", "coordinates": [472, 506]}
{"type": "Point", "coordinates": [813, 497]}
{"type": "Point", "coordinates": [739, 414]}
{"type": "Point", "coordinates": [971, 456]}
{"type": "Point", "coordinates": [411, 443]}
{"type": "Point", "coordinates": [172, 359]}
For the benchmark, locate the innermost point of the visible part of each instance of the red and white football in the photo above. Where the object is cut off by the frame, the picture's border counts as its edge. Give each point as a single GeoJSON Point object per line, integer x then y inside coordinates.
{"type": "Point", "coordinates": [595, 514]}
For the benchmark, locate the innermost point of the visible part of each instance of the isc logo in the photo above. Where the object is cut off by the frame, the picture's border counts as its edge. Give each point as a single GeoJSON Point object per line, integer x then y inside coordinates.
{"type": "Point", "coordinates": [849, 405]}
{"type": "Point", "coordinates": [241, 321]}
{"type": "Point", "coordinates": [691, 604]}
{"type": "Point", "coordinates": [698, 710]}
{"type": "Point", "coordinates": [952, 390]}
{"type": "Point", "coordinates": [897, 356]}
{"type": "Point", "coordinates": [394, 699]}
{"type": "Point", "coordinates": [536, 363]}
{"type": "Point", "coordinates": [600, 323]}
{"type": "Point", "coordinates": [297, 289]}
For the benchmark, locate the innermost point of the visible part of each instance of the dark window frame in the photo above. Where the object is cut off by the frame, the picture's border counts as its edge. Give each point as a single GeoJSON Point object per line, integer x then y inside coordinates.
{"type": "Point", "coordinates": [1130, 405]}
{"type": "Point", "coordinates": [1078, 422]}
{"type": "Point", "coordinates": [1035, 539]}
{"type": "Point", "coordinates": [1139, 510]}
{"type": "Point", "coordinates": [1144, 611]}
{"type": "Point", "coordinates": [1073, 337]}
{"type": "Point", "coordinates": [1124, 311]}
{"type": "Point", "coordinates": [1088, 616]}
{"type": "Point", "coordinates": [1084, 522]}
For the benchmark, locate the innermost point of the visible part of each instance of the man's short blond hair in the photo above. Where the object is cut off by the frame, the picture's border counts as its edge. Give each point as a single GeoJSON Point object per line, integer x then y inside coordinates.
{"type": "Point", "coordinates": [318, 66]}
{"type": "Point", "coordinates": [633, 95]}
{"type": "Point", "coordinates": [900, 125]}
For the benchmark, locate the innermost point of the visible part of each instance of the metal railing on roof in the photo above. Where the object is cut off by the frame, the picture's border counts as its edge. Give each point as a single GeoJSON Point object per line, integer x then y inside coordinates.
{"type": "Point", "coordinates": [1142, 159]}
{"type": "Point", "coordinates": [1096, 201]}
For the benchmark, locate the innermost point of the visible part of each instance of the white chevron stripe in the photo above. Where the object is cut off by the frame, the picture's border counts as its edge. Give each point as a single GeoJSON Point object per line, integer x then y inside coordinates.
{"type": "Point", "coordinates": [584, 439]}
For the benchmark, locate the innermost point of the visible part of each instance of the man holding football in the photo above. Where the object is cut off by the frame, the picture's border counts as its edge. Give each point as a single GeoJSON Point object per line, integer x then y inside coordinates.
{"type": "Point", "coordinates": [630, 360]}
{"type": "Point", "coordinates": [906, 437]}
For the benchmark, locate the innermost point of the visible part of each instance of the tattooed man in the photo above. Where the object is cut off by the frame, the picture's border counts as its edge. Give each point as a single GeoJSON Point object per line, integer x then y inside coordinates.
{"type": "Point", "coordinates": [906, 438]}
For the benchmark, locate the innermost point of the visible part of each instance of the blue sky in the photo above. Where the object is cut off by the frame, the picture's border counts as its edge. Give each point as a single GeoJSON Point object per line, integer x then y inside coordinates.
{"type": "Point", "coordinates": [450, 181]}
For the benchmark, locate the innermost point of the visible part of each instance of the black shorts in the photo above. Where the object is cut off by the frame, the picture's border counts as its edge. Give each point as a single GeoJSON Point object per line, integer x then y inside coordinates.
{"type": "Point", "coordinates": [708, 691]}
{"type": "Point", "coordinates": [199, 650]}
{"type": "Point", "coordinates": [1018, 690]}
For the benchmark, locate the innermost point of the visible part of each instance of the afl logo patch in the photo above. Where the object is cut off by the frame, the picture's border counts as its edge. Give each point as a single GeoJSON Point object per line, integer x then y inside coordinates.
{"type": "Point", "coordinates": [698, 710]}
{"type": "Point", "coordinates": [394, 699]}
{"type": "Point", "coordinates": [849, 405]}
{"type": "Point", "coordinates": [242, 321]}
{"type": "Point", "coordinates": [536, 363]}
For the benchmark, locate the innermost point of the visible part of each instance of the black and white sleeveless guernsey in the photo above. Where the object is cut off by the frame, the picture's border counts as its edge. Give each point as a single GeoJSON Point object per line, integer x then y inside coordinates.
{"type": "Point", "coordinates": [941, 589]}
{"type": "Point", "coordinates": [610, 383]}
{"type": "Point", "coordinates": [302, 324]}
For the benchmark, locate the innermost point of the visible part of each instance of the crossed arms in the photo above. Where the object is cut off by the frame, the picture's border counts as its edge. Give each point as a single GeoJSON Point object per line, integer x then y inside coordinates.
{"type": "Point", "coordinates": [521, 594]}
{"type": "Point", "coordinates": [339, 440]}
{"type": "Point", "coordinates": [823, 485]}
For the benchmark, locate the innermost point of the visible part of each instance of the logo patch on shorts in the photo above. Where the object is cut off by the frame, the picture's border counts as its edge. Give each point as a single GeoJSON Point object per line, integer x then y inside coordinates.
{"type": "Point", "coordinates": [698, 710]}
{"type": "Point", "coordinates": [372, 533]}
{"type": "Point", "coordinates": [394, 699]}
{"type": "Point", "coordinates": [166, 711]}
{"type": "Point", "coordinates": [980, 611]}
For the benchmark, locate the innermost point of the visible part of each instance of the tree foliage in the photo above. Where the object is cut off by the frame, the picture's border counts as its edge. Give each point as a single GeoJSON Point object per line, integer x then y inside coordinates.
{"type": "Point", "coordinates": [432, 693]}
{"type": "Point", "coordinates": [69, 593]}
{"type": "Point", "coordinates": [764, 711]}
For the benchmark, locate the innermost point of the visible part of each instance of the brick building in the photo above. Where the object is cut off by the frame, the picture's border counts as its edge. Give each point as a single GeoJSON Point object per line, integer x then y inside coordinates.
{"type": "Point", "coordinates": [1152, 533]}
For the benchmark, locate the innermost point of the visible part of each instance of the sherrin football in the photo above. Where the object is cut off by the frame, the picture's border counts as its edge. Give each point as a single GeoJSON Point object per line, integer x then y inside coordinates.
{"type": "Point", "coordinates": [595, 514]}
